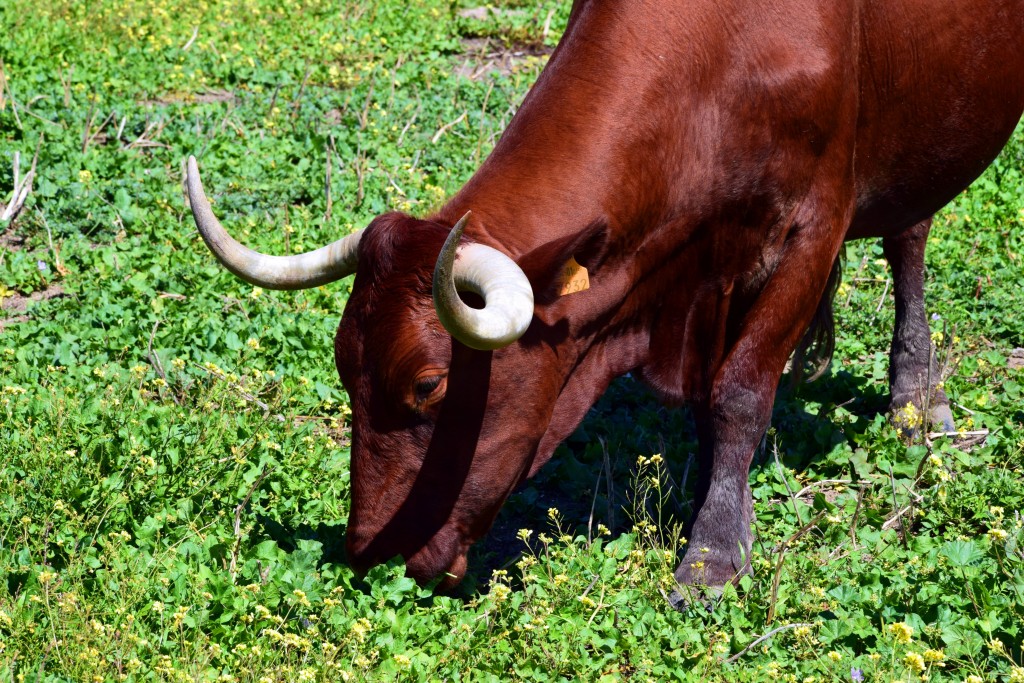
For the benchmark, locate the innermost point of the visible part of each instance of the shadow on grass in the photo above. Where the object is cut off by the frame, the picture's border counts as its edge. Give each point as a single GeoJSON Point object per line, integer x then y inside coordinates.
{"type": "Point", "coordinates": [629, 421]}
{"type": "Point", "coordinates": [591, 478]}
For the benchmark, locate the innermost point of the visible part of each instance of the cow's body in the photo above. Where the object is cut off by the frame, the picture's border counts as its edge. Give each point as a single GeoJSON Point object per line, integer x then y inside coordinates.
{"type": "Point", "coordinates": [706, 161]}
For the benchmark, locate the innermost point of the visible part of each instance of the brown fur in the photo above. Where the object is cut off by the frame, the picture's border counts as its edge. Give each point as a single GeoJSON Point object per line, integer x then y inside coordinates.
{"type": "Point", "coordinates": [708, 159]}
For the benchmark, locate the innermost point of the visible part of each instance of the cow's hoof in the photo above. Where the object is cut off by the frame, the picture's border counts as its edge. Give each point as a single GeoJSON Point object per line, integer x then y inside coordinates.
{"type": "Point", "coordinates": [909, 419]}
{"type": "Point", "coordinates": [694, 597]}
{"type": "Point", "coordinates": [942, 418]}
{"type": "Point", "coordinates": [676, 601]}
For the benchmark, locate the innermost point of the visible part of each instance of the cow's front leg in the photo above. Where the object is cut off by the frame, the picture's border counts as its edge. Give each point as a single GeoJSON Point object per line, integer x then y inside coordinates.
{"type": "Point", "coordinates": [736, 413]}
{"type": "Point", "coordinates": [719, 533]}
{"type": "Point", "coordinates": [912, 366]}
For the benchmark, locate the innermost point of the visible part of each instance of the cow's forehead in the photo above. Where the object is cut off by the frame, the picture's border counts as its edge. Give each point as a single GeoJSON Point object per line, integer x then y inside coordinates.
{"type": "Point", "coordinates": [398, 246]}
{"type": "Point", "coordinates": [389, 328]}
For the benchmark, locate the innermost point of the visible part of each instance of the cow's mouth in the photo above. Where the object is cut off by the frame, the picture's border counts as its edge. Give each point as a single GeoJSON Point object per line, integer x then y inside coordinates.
{"type": "Point", "coordinates": [454, 574]}
{"type": "Point", "coordinates": [443, 557]}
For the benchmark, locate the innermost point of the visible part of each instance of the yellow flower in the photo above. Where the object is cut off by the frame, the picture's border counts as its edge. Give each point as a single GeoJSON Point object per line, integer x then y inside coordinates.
{"type": "Point", "coordinates": [914, 661]}
{"type": "Point", "coordinates": [524, 535]}
{"type": "Point", "coordinates": [179, 615]}
{"type": "Point", "coordinates": [901, 631]}
{"type": "Point", "coordinates": [997, 534]}
{"type": "Point", "coordinates": [835, 656]}
{"type": "Point", "coordinates": [500, 592]}
{"type": "Point", "coordinates": [527, 562]}
{"type": "Point", "coordinates": [934, 656]}
{"type": "Point", "coordinates": [84, 176]}
{"type": "Point", "coordinates": [253, 343]}
{"type": "Point", "coordinates": [909, 416]}
{"type": "Point", "coordinates": [360, 628]}
{"type": "Point", "coordinates": [1016, 675]}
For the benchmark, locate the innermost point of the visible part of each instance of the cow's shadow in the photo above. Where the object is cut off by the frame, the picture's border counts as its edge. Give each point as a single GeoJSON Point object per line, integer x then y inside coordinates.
{"type": "Point", "coordinates": [591, 478]}
{"type": "Point", "coordinates": [628, 422]}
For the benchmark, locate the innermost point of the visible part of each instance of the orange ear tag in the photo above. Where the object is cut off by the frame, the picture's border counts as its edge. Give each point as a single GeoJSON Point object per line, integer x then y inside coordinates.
{"type": "Point", "coordinates": [574, 278]}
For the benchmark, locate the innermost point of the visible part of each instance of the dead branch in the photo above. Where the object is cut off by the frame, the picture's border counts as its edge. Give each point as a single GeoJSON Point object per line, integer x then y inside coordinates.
{"type": "Point", "coordinates": [22, 188]}
{"type": "Point", "coordinates": [446, 127]}
{"type": "Point", "coordinates": [764, 638]}
{"type": "Point", "coordinates": [238, 520]}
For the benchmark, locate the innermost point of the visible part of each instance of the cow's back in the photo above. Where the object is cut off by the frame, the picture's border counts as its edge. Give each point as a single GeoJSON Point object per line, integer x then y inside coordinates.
{"type": "Point", "coordinates": [941, 89]}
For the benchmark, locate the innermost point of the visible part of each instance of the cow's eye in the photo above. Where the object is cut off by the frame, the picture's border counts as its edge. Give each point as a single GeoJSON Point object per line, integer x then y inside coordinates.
{"type": "Point", "coordinates": [427, 387]}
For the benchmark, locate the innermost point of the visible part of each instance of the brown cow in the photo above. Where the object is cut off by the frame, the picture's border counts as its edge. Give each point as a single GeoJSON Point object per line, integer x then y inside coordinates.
{"type": "Point", "coordinates": [705, 162]}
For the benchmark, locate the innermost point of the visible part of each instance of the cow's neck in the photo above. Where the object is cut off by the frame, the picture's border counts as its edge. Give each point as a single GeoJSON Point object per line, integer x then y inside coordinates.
{"type": "Point", "coordinates": [600, 139]}
{"type": "Point", "coordinates": [593, 140]}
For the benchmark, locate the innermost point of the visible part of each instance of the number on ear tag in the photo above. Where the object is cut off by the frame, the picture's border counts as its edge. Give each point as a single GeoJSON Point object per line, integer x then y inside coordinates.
{"type": "Point", "coordinates": [574, 278]}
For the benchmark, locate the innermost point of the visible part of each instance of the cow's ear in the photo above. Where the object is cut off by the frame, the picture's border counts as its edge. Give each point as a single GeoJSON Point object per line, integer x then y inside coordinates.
{"type": "Point", "coordinates": [546, 266]}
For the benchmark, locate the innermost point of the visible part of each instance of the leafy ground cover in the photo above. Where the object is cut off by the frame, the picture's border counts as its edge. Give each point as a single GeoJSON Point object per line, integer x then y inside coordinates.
{"type": "Point", "coordinates": [173, 443]}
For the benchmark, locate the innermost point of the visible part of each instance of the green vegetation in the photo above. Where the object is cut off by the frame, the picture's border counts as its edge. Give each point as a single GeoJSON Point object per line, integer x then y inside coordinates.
{"type": "Point", "coordinates": [173, 442]}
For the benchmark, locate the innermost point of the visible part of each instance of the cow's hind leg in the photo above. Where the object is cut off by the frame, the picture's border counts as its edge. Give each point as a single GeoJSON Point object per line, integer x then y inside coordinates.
{"type": "Point", "coordinates": [912, 365]}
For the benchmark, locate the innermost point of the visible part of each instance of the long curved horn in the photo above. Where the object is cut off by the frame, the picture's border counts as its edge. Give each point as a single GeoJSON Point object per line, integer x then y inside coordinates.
{"type": "Point", "coordinates": [507, 294]}
{"type": "Point", "coordinates": [301, 271]}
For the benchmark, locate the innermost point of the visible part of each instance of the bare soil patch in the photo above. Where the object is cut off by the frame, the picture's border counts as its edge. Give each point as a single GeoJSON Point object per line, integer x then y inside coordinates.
{"type": "Point", "coordinates": [5, 322]}
{"type": "Point", "coordinates": [10, 240]}
{"type": "Point", "coordinates": [484, 13]}
{"type": "Point", "coordinates": [1016, 359]}
{"type": "Point", "coordinates": [19, 302]}
{"type": "Point", "coordinates": [202, 97]}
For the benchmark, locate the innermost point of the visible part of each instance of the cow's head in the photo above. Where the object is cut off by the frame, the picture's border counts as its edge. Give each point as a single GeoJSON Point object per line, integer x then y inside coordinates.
{"type": "Point", "coordinates": [437, 446]}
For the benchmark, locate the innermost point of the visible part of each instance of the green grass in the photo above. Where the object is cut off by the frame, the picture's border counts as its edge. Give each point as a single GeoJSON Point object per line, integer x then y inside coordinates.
{"type": "Point", "coordinates": [173, 442]}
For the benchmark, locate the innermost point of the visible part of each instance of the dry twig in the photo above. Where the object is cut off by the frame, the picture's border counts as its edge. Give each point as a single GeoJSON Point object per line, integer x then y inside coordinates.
{"type": "Point", "coordinates": [764, 638]}
{"type": "Point", "coordinates": [22, 188]}
{"type": "Point", "coordinates": [446, 127]}
{"type": "Point", "coordinates": [782, 556]}
{"type": "Point", "coordinates": [238, 520]}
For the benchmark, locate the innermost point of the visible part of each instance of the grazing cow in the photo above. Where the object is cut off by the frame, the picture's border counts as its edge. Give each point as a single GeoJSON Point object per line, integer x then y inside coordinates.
{"type": "Point", "coordinates": [704, 162]}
